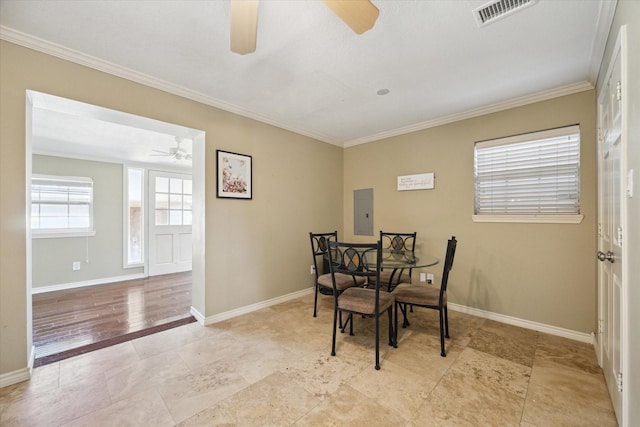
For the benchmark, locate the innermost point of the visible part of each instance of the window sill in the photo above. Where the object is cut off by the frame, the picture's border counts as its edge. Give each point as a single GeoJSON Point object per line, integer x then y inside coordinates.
{"type": "Point", "coordinates": [56, 235]}
{"type": "Point", "coordinates": [532, 219]}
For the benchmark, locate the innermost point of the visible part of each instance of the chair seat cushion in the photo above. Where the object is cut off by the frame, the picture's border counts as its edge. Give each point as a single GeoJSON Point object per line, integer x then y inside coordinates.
{"type": "Point", "coordinates": [343, 281]}
{"type": "Point", "coordinates": [362, 300]}
{"type": "Point", "coordinates": [406, 293]}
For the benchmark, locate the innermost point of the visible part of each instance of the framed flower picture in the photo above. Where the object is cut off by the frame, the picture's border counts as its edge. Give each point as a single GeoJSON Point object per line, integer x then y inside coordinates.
{"type": "Point", "coordinates": [233, 179]}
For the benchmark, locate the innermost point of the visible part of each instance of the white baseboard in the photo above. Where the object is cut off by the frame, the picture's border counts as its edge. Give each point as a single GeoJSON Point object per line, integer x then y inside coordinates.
{"type": "Point", "coordinates": [74, 285]}
{"type": "Point", "coordinates": [528, 324]}
{"type": "Point", "coordinates": [20, 375]}
{"type": "Point", "coordinates": [32, 358]}
{"type": "Point", "coordinates": [253, 307]}
{"type": "Point", "coordinates": [15, 377]}
{"type": "Point", "coordinates": [199, 317]}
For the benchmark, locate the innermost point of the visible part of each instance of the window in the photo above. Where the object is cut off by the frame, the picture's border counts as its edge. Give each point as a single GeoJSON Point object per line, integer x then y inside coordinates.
{"type": "Point", "coordinates": [134, 217]}
{"type": "Point", "coordinates": [173, 201]}
{"type": "Point", "coordinates": [529, 178]}
{"type": "Point", "coordinates": [61, 206]}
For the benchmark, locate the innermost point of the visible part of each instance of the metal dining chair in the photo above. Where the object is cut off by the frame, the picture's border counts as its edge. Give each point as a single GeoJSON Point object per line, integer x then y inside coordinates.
{"type": "Point", "coordinates": [356, 259]}
{"type": "Point", "coordinates": [427, 297]}
{"type": "Point", "coordinates": [323, 282]}
{"type": "Point", "coordinates": [398, 242]}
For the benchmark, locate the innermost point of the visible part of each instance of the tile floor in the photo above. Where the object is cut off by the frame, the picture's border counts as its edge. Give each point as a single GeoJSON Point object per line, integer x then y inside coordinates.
{"type": "Point", "coordinates": [272, 367]}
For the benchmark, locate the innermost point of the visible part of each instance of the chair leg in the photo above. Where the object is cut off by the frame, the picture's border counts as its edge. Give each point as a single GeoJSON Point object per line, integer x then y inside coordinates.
{"type": "Point", "coordinates": [405, 322]}
{"type": "Point", "coordinates": [441, 315]}
{"type": "Point", "coordinates": [377, 317]}
{"type": "Point", "coordinates": [315, 302]}
{"type": "Point", "coordinates": [395, 327]}
{"type": "Point", "coordinates": [343, 325]}
{"type": "Point", "coordinates": [446, 322]}
{"type": "Point", "coordinates": [391, 333]}
{"type": "Point", "coordinates": [335, 327]}
{"type": "Point", "coordinates": [350, 320]}
{"type": "Point", "coordinates": [340, 324]}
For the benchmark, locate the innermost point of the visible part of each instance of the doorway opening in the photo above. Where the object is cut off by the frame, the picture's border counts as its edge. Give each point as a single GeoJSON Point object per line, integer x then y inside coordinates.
{"type": "Point", "coordinates": [90, 280]}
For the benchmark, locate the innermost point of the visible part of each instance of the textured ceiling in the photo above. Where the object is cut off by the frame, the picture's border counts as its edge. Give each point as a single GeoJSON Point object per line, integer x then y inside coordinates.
{"type": "Point", "coordinates": [312, 74]}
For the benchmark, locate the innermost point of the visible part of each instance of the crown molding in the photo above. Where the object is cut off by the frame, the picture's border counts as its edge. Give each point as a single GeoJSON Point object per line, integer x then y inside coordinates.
{"type": "Point", "coordinates": [35, 43]}
{"type": "Point", "coordinates": [56, 50]}
{"type": "Point", "coordinates": [476, 112]}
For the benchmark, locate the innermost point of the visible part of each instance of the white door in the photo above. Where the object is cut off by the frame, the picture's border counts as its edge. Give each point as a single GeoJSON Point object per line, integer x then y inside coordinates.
{"type": "Point", "coordinates": [170, 204]}
{"type": "Point", "coordinates": [611, 212]}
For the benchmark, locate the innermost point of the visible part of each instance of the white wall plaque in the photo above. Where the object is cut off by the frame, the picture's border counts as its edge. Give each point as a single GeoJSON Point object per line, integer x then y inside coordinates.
{"type": "Point", "coordinates": [423, 181]}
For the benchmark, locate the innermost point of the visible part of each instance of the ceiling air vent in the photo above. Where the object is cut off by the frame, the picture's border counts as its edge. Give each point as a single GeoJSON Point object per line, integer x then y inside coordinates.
{"type": "Point", "coordinates": [498, 9]}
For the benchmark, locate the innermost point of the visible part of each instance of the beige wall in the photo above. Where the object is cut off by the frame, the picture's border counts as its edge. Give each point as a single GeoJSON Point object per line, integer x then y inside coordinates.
{"type": "Point", "coordinates": [249, 244]}
{"type": "Point", "coordinates": [526, 271]}
{"type": "Point", "coordinates": [52, 257]}
{"type": "Point", "coordinates": [543, 273]}
{"type": "Point", "coordinates": [628, 14]}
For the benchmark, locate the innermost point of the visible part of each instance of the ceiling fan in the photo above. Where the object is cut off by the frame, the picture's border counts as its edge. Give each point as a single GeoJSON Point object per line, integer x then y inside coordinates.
{"type": "Point", "coordinates": [360, 15]}
{"type": "Point", "coordinates": [176, 152]}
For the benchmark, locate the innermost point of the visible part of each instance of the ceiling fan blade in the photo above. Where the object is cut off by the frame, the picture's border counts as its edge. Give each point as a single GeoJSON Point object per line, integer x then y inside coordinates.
{"type": "Point", "coordinates": [360, 15]}
{"type": "Point", "coordinates": [160, 153]}
{"type": "Point", "coordinates": [244, 26]}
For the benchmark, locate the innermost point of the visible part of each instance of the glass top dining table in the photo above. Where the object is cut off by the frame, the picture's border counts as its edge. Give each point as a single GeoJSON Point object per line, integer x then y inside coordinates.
{"type": "Point", "coordinates": [395, 260]}
{"type": "Point", "coordinates": [403, 259]}
{"type": "Point", "coordinates": [399, 259]}
{"type": "Point", "coordinates": [398, 262]}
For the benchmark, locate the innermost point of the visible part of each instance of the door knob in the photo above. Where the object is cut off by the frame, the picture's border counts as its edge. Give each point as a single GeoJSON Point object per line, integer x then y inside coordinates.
{"type": "Point", "coordinates": [608, 256]}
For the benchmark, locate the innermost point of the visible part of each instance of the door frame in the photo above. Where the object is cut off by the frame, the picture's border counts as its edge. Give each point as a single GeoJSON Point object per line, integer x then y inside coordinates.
{"type": "Point", "coordinates": [198, 172]}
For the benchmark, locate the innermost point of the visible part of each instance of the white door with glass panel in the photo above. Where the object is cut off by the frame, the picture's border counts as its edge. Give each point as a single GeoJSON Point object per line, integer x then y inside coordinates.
{"type": "Point", "coordinates": [170, 201]}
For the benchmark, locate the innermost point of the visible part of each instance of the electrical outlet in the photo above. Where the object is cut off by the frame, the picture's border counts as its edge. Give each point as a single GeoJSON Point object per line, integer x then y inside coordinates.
{"type": "Point", "coordinates": [312, 270]}
{"type": "Point", "coordinates": [76, 265]}
{"type": "Point", "coordinates": [429, 278]}
{"type": "Point", "coordinates": [423, 277]}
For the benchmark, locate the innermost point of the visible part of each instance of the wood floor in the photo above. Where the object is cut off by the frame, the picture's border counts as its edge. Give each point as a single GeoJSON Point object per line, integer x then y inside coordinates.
{"type": "Point", "coordinates": [71, 322]}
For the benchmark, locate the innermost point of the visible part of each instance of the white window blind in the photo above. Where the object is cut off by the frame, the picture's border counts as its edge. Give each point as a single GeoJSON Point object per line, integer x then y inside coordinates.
{"type": "Point", "coordinates": [532, 174]}
{"type": "Point", "coordinates": [61, 205]}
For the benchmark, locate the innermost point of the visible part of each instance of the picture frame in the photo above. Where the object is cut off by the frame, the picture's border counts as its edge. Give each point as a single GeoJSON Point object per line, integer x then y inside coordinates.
{"type": "Point", "coordinates": [234, 175]}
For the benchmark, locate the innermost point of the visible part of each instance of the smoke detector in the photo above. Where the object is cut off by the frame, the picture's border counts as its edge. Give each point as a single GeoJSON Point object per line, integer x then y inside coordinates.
{"type": "Point", "coordinates": [498, 9]}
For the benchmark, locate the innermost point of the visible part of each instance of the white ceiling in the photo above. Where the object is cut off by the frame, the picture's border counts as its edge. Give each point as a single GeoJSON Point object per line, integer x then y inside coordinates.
{"type": "Point", "coordinates": [312, 74]}
{"type": "Point", "coordinates": [63, 127]}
